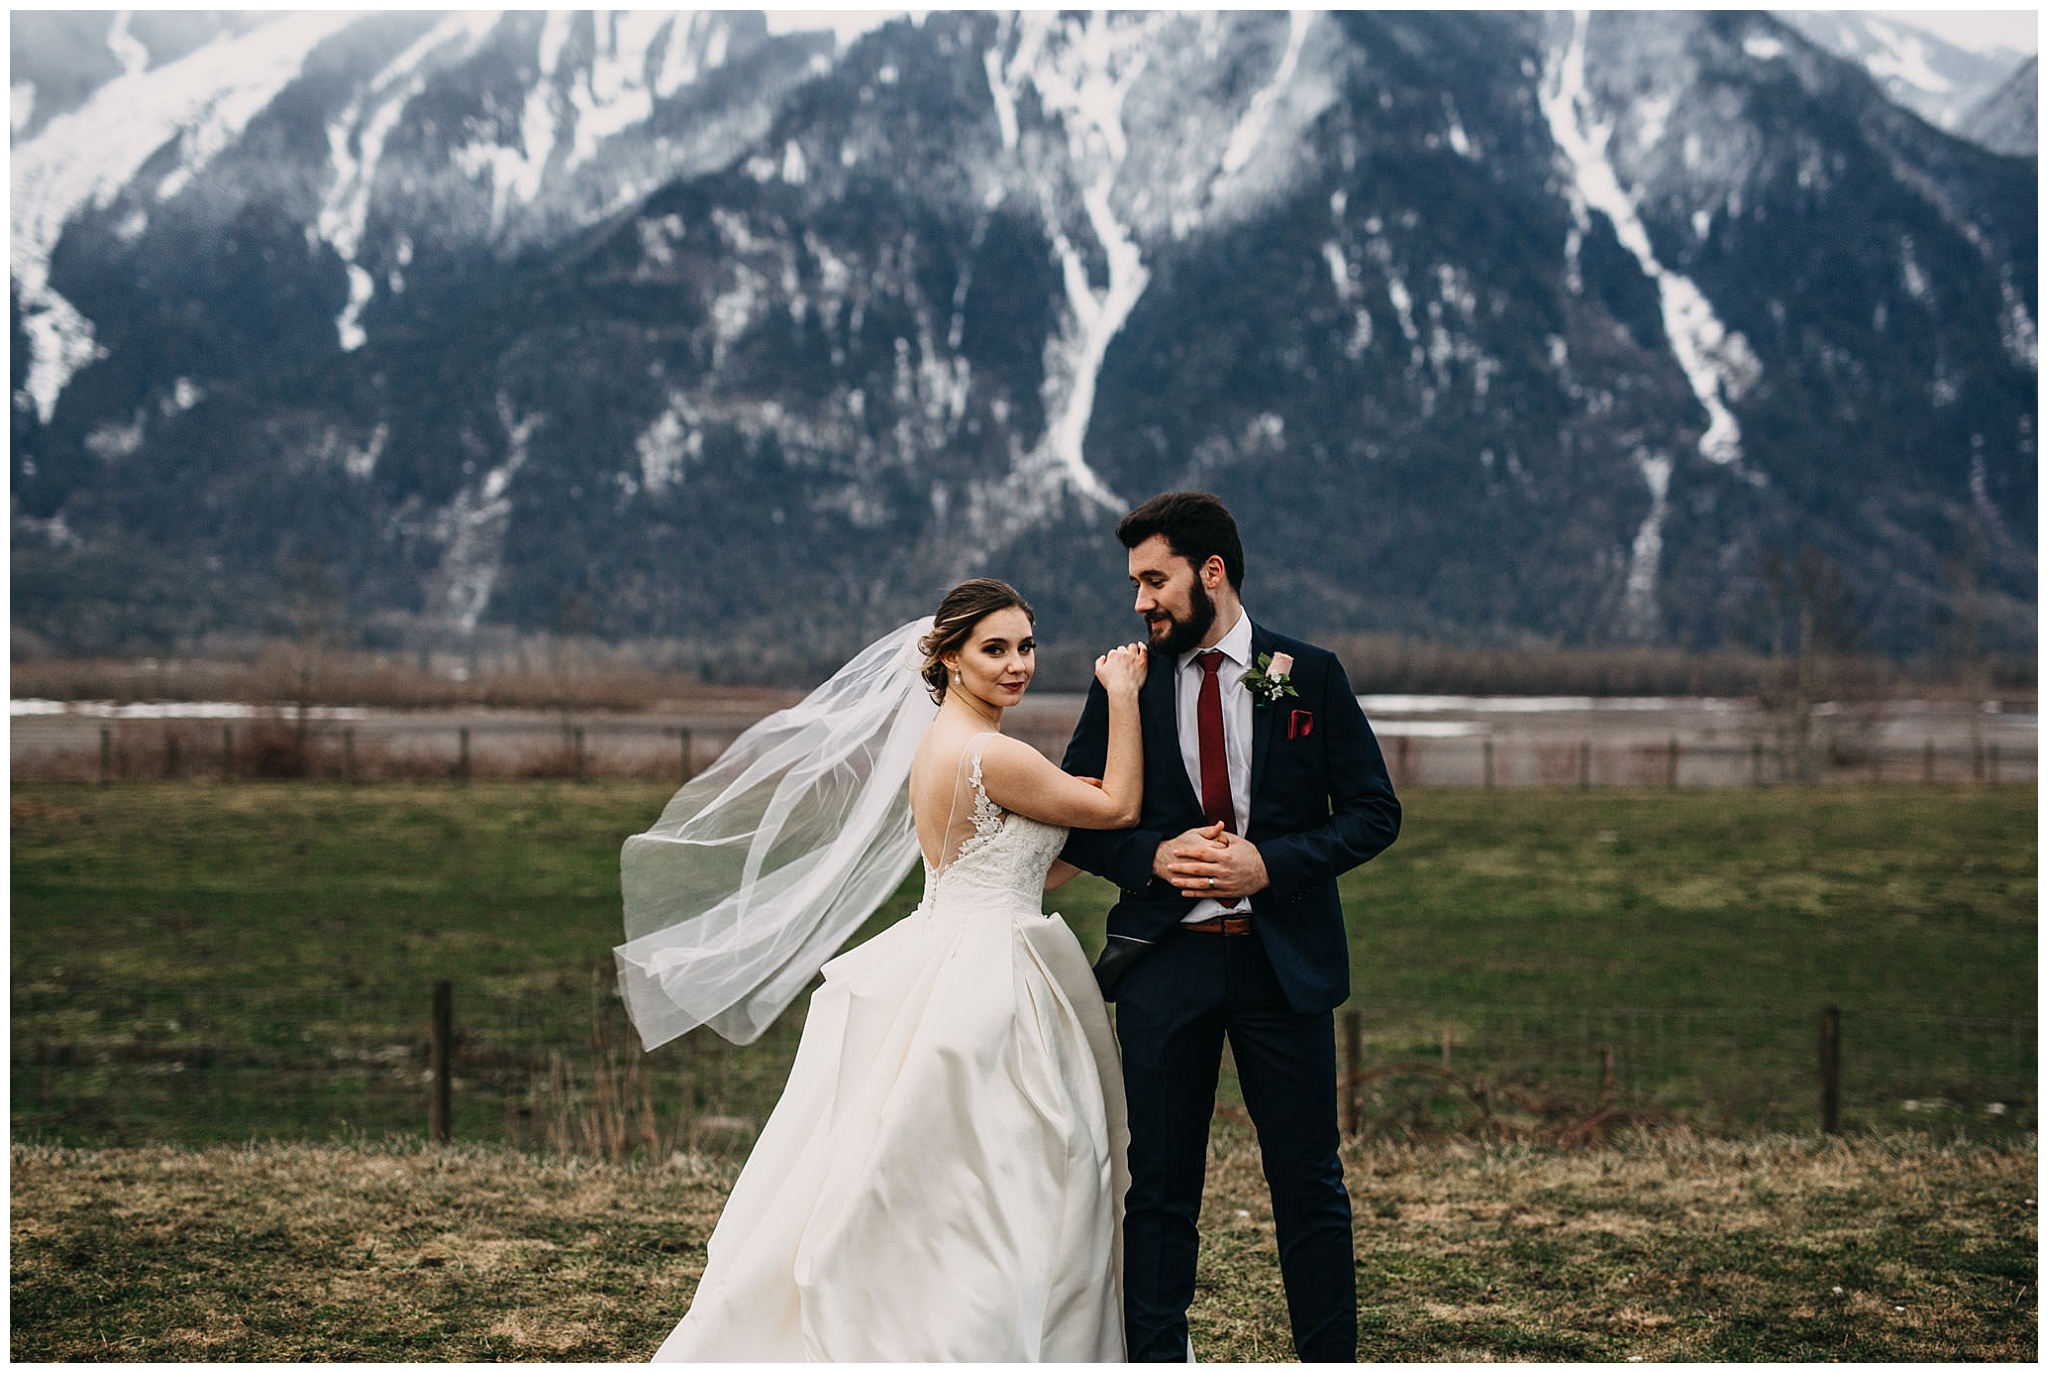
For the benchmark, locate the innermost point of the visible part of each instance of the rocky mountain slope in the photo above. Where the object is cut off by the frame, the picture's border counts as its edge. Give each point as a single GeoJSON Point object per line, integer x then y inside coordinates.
{"type": "Point", "coordinates": [2009, 119]}
{"type": "Point", "coordinates": [1490, 326]}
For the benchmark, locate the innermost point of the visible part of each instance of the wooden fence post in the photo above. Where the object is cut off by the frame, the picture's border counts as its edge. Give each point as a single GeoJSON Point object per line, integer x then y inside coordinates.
{"type": "Point", "coordinates": [1831, 1071]}
{"type": "Point", "coordinates": [1486, 750]}
{"type": "Point", "coordinates": [1352, 1066]}
{"type": "Point", "coordinates": [685, 733]}
{"type": "Point", "coordinates": [106, 754]}
{"type": "Point", "coordinates": [1585, 764]}
{"type": "Point", "coordinates": [1606, 1071]}
{"type": "Point", "coordinates": [1756, 763]}
{"type": "Point", "coordinates": [170, 753]}
{"type": "Point", "coordinates": [1444, 1039]}
{"type": "Point", "coordinates": [227, 753]}
{"type": "Point", "coordinates": [577, 746]}
{"type": "Point", "coordinates": [462, 753]}
{"type": "Point", "coordinates": [1671, 765]}
{"type": "Point", "coordinates": [438, 1106]}
{"type": "Point", "coordinates": [348, 756]}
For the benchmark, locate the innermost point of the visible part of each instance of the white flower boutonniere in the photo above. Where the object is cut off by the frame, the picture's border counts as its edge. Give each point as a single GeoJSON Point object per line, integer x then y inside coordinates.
{"type": "Point", "coordinates": [1271, 679]}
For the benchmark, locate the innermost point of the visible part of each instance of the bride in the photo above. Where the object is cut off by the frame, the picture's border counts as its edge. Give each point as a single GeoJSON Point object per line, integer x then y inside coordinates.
{"type": "Point", "coordinates": [943, 1177]}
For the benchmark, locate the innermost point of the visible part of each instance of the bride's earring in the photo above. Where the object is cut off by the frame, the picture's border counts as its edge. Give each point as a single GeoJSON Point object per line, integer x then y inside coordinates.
{"type": "Point", "coordinates": [956, 676]}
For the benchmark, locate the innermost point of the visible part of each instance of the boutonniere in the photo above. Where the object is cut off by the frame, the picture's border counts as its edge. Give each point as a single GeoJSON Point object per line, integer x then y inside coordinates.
{"type": "Point", "coordinates": [1271, 679]}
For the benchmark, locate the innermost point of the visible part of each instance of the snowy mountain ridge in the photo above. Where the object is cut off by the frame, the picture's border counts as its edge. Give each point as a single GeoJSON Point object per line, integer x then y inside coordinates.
{"type": "Point", "coordinates": [1502, 325]}
{"type": "Point", "coordinates": [194, 107]}
{"type": "Point", "coordinates": [1940, 81]}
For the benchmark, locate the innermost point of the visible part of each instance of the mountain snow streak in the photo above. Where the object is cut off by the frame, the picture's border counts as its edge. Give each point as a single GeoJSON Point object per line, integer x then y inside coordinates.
{"type": "Point", "coordinates": [1716, 361]}
{"type": "Point", "coordinates": [356, 141]}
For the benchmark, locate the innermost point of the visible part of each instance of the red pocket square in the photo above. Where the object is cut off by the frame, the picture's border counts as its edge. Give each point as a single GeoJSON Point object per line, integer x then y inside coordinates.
{"type": "Point", "coordinates": [1301, 724]}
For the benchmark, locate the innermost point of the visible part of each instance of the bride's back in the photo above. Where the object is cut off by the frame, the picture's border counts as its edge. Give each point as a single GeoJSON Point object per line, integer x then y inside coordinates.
{"type": "Point", "coordinates": [941, 789]}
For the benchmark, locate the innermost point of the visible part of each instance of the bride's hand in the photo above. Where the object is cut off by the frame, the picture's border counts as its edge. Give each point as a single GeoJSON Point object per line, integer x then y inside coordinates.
{"type": "Point", "coordinates": [1122, 668]}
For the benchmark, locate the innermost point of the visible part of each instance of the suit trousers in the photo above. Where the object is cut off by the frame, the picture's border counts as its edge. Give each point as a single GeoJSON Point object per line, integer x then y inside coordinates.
{"type": "Point", "coordinates": [1174, 1010]}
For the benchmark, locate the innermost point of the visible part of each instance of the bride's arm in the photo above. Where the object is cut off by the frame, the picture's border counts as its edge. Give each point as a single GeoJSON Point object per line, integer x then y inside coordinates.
{"type": "Point", "coordinates": [1019, 778]}
{"type": "Point", "coordinates": [1062, 872]}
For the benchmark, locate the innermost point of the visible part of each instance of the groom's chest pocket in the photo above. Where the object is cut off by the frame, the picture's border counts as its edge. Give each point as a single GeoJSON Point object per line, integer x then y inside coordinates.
{"type": "Point", "coordinates": [1295, 778]}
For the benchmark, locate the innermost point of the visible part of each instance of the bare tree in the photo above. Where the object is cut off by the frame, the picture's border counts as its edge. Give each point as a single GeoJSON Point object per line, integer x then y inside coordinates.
{"type": "Point", "coordinates": [1815, 627]}
{"type": "Point", "coordinates": [1963, 661]}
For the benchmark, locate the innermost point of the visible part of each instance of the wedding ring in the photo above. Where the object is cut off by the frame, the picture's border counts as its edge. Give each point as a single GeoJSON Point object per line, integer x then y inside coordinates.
{"type": "Point", "coordinates": [1212, 881]}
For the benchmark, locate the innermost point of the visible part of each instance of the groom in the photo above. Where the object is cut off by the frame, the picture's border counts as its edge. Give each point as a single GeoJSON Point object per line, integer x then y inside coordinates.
{"type": "Point", "coordinates": [1263, 782]}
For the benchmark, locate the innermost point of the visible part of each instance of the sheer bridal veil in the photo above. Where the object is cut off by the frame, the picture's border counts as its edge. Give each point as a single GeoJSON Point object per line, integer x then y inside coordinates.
{"type": "Point", "coordinates": [764, 863]}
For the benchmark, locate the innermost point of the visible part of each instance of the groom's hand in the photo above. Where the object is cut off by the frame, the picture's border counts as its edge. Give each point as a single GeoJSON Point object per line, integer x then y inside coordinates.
{"type": "Point", "coordinates": [1188, 845]}
{"type": "Point", "coordinates": [1211, 861]}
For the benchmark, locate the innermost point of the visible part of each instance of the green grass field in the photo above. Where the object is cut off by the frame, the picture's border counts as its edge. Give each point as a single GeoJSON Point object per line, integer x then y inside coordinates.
{"type": "Point", "coordinates": [197, 967]}
{"type": "Point", "coordinates": [196, 962]}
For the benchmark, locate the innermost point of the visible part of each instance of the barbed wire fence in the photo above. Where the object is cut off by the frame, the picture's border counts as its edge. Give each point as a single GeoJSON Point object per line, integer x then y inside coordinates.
{"type": "Point", "coordinates": [559, 1069]}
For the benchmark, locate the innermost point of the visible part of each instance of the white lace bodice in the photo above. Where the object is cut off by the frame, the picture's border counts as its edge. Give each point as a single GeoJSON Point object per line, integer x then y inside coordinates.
{"type": "Point", "coordinates": [1004, 860]}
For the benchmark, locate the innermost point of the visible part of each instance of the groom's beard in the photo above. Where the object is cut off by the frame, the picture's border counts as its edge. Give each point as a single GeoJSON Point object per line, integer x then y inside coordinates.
{"type": "Point", "coordinates": [1174, 636]}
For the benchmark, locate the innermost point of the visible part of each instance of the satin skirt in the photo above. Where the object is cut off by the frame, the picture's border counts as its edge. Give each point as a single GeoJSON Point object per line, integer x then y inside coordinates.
{"type": "Point", "coordinates": [943, 1177]}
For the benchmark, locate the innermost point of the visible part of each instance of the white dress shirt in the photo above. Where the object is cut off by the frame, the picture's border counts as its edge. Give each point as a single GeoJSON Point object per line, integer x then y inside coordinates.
{"type": "Point", "coordinates": [1236, 648]}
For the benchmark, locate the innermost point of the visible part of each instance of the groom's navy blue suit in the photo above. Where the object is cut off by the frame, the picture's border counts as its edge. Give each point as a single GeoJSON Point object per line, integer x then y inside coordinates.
{"type": "Point", "coordinates": [1321, 804]}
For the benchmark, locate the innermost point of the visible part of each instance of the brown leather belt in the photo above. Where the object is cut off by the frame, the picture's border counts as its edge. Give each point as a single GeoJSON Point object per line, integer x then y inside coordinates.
{"type": "Point", "coordinates": [1220, 924]}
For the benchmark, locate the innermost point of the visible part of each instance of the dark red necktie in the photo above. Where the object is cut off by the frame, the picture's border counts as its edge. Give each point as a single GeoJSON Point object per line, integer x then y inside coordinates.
{"type": "Point", "coordinates": [1209, 741]}
{"type": "Point", "coordinates": [1216, 803]}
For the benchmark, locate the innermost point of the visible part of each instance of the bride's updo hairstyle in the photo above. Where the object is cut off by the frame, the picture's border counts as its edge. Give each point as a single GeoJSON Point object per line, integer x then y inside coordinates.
{"type": "Point", "coordinates": [965, 606]}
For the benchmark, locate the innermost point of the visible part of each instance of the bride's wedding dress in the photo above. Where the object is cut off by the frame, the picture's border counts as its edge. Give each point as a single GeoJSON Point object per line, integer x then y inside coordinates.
{"type": "Point", "coordinates": [943, 1177]}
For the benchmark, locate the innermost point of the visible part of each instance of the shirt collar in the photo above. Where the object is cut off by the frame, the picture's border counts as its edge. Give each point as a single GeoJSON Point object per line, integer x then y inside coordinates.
{"type": "Point", "coordinates": [1236, 645]}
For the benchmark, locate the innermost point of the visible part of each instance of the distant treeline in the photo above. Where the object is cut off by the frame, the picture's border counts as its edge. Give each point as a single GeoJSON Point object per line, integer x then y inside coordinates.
{"type": "Point", "coordinates": [1390, 663]}
{"type": "Point", "coordinates": [580, 674]}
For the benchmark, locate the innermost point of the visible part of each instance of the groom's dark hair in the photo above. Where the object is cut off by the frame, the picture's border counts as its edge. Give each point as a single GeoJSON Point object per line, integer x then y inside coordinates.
{"type": "Point", "coordinates": [1197, 527]}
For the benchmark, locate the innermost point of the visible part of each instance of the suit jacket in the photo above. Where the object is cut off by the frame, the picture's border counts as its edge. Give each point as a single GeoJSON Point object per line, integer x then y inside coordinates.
{"type": "Point", "coordinates": [1321, 804]}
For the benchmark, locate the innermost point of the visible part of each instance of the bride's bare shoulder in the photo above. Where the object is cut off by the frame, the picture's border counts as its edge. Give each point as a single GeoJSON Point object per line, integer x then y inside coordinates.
{"type": "Point", "coordinates": [1012, 759]}
{"type": "Point", "coordinates": [941, 754]}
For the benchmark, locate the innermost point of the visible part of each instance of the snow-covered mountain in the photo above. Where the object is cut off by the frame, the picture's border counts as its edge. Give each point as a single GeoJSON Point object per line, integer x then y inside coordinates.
{"type": "Point", "coordinates": [1489, 325]}
{"type": "Point", "coordinates": [1940, 81]}
{"type": "Point", "coordinates": [222, 114]}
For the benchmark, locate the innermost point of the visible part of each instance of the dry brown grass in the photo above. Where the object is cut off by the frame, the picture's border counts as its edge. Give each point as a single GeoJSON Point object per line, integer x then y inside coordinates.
{"type": "Point", "coordinates": [575, 675]}
{"type": "Point", "coordinates": [298, 1252]}
{"type": "Point", "coordinates": [600, 1103]}
{"type": "Point", "coordinates": [1660, 1247]}
{"type": "Point", "coordinates": [556, 672]}
{"type": "Point", "coordinates": [1663, 1247]}
{"type": "Point", "coordinates": [1396, 663]}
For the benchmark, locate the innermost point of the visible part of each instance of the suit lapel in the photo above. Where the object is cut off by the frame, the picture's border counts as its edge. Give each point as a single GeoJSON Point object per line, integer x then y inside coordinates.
{"type": "Point", "coordinates": [1262, 724]}
{"type": "Point", "coordinates": [1163, 743]}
